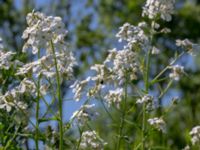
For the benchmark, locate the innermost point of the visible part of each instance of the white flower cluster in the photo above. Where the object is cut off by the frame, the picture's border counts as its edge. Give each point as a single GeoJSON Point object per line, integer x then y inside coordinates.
{"type": "Point", "coordinates": [147, 100]}
{"type": "Point", "coordinates": [119, 67]}
{"type": "Point", "coordinates": [188, 45]}
{"type": "Point", "coordinates": [90, 140]}
{"type": "Point", "coordinates": [187, 147]}
{"type": "Point", "coordinates": [114, 96]}
{"type": "Point", "coordinates": [134, 35]}
{"type": "Point", "coordinates": [47, 33]}
{"type": "Point", "coordinates": [12, 99]}
{"type": "Point", "coordinates": [84, 114]}
{"type": "Point", "coordinates": [162, 8]}
{"type": "Point", "coordinates": [45, 66]}
{"type": "Point", "coordinates": [195, 134]}
{"type": "Point", "coordinates": [158, 123]}
{"type": "Point", "coordinates": [177, 71]}
{"type": "Point", "coordinates": [78, 87]}
{"type": "Point", "coordinates": [125, 64]}
{"type": "Point", "coordinates": [42, 30]}
{"type": "Point", "coordinates": [5, 59]}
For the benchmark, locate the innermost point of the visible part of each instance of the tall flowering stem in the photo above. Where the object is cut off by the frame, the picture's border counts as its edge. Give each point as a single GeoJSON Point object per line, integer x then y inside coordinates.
{"type": "Point", "coordinates": [123, 114]}
{"type": "Point", "coordinates": [37, 111]}
{"type": "Point", "coordinates": [59, 97]}
{"type": "Point", "coordinates": [146, 80]}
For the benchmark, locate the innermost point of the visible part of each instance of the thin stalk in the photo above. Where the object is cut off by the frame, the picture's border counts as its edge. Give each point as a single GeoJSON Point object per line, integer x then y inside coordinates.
{"type": "Point", "coordinates": [123, 115]}
{"type": "Point", "coordinates": [59, 98]}
{"type": "Point", "coordinates": [106, 110]}
{"type": "Point", "coordinates": [79, 141]}
{"type": "Point", "coordinates": [37, 111]}
{"type": "Point", "coordinates": [167, 67]}
{"type": "Point", "coordinates": [147, 91]}
{"type": "Point", "coordinates": [147, 71]}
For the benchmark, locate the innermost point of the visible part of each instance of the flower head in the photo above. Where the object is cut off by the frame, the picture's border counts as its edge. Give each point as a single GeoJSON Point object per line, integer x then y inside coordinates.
{"type": "Point", "coordinates": [162, 8]}
{"type": "Point", "coordinates": [195, 134]}
{"type": "Point", "coordinates": [114, 97]}
{"type": "Point", "coordinates": [177, 71]}
{"type": "Point", "coordinates": [90, 140]}
{"type": "Point", "coordinates": [42, 30]}
{"type": "Point", "coordinates": [187, 45]}
{"type": "Point", "coordinates": [84, 114]}
{"type": "Point", "coordinates": [158, 123]}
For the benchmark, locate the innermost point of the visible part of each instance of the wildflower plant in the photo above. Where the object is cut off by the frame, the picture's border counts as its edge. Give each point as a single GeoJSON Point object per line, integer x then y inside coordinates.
{"type": "Point", "coordinates": [124, 84]}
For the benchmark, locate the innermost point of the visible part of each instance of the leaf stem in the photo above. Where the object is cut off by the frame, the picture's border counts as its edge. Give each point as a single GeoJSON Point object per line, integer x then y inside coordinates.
{"type": "Point", "coordinates": [123, 115]}
{"type": "Point", "coordinates": [59, 98]}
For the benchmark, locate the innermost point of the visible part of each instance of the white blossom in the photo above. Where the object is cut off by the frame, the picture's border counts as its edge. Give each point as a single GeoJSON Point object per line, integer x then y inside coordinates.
{"type": "Point", "coordinates": [103, 75]}
{"type": "Point", "coordinates": [84, 114]}
{"type": "Point", "coordinates": [125, 64]}
{"type": "Point", "coordinates": [90, 140]}
{"type": "Point", "coordinates": [177, 71]}
{"type": "Point", "coordinates": [78, 87]}
{"type": "Point", "coordinates": [11, 99]}
{"type": "Point", "coordinates": [155, 50]}
{"type": "Point", "coordinates": [114, 97]}
{"type": "Point", "coordinates": [187, 147]}
{"type": "Point", "coordinates": [42, 30]}
{"type": "Point", "coordinates": [188, 45]}
{"type": "Point", "coordinates": [158, 123]}
{"type": "Point", "coordinates": [195, 134]}
{"type": "Point", "coordinates": [5, 59]}
{"type": "Point", "coordinates": [162, 8]}
{"type": "Point", "coordinates": [27, 85]}
{"type": "Point", "coordinates": [147, 100]}
{"type": "Point", "coordinates": [134, 35]}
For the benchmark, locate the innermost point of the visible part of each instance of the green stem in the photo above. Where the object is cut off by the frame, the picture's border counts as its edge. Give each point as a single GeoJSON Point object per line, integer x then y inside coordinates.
{"type": "Point", "coordinates": [79, 141]}
{"type": "Point", "coordinates": [123, 115]}
{"type": "Point", "coordinates": [167, 67]}
{"type": "Point", "coordinates": [147, 91]}
{"type": "Point", "coordinates": [106, 110]}
{"type": "Point", "coordinates": [147, 71]}
{"type": "Point", "coordinates": [37, 111]}
{"type": "Point", "coordinates": [59, 98]}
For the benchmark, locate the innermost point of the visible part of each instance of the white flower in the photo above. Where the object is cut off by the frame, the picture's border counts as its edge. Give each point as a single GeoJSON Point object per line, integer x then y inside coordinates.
{"type": "Point", "coordinates": [188, 45]}
{"type": "Point", "coordinates": [90, 140]}
{"type": "Point", "coordinates": [84, 114]}
{"type": "Point", "coordinates": [114, 96]}
{"type": "Point", "coordinates": [103, 76]}
{"type": "Point", "coordinates": [177, 71]}
{"type": "Point", "coordinates": [186, 147]}
{"type": "Point", "coordinates": [158, 123]}
{"type": "Point", "coordinates": [28, 68]}
{"type": "Point", "coordinates": [42, 30]}
{"type": "Point", "coordinates": [45, 66]}
{"type": "Point", "coordinates": [5, 59]}
{"type": "Point", "coordinates": [162, 8]}
{"type": "Point", "coordinates": [78, 87]}
{"type": "Point", "coordinates": [155, 25]}
{"type": "Point", "coordinates": [195, 134]}
{"type": "Point", "coordinates": [11, 99]}
{"type": "Point", "coordinates": [134, 35]}
{"type": "Point", "coordinates": [27, 85]}
{"type": "Point", "coordinates": [155, 50]}
{"type": "Point", "coordinates": [147, 100]}
{"type": "Point", "coordinates": [125, 64]}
